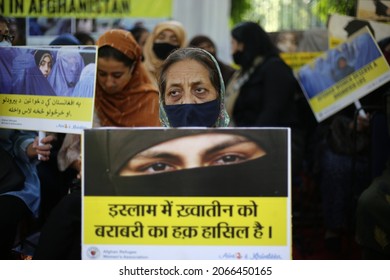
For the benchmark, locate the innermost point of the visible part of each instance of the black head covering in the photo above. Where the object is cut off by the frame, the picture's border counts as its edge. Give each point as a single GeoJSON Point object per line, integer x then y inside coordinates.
{"type": "Point", "coordinates": [39, 53]}
{"type": "Point", "coordinates": [356, 25]}
{"type": "Point", "coordinates": [256, 42]}
{"type": "Point", "coordinates": [200, 39]}
{"type": "Point", "coordinates": [65, 40]}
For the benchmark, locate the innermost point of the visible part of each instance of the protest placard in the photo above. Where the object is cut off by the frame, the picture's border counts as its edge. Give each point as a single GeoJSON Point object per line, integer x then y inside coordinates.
{"type": "Point", "coordinates": [343, 74]}
{"type": "Point", "coordinates": [47, 88]}
{"type": "Point", "coordinates": [186, 194]}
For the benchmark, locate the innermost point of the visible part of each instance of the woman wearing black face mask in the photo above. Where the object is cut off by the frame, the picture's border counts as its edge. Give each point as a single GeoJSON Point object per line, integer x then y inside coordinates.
{"type": "Point", "coordinates": [166, 37]}
{"type": "Point", "coordinates": [192, 90]}
{"type": "Point", "coordinates": [262, 92]}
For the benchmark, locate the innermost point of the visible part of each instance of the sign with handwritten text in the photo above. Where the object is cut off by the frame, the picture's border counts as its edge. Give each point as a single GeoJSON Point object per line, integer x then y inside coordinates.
{"type": "Point", "coordinates": [50, 88]}
{"type": "Point", "coordinates": [232, 202]}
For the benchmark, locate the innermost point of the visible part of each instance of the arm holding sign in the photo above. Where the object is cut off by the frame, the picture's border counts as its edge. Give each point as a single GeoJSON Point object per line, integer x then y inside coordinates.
{"type": "Point", "coordinates": [17, 205]}
{"type": "Point", "coordinates": [40, 148]}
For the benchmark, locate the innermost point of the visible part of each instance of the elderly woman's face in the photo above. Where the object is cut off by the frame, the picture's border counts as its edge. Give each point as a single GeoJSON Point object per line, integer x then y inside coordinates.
{"type": "Point", "coordinates": [188, 82]}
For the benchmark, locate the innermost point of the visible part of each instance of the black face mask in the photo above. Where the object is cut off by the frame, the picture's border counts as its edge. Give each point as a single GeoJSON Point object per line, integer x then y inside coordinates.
{"type": "Point", "coordinates": [238, 57]}
{"type": "Point", "coordinates": [162, 50]}
{"type": "Point", "coordinates": [204, 114]}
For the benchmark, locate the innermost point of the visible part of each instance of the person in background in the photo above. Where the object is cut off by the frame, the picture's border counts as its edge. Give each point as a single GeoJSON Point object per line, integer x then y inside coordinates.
{"type": "Point", "coordinates": [166, 37]}
{"type": "Point", "coordinates": [262, 93]}
{"type": "Point", "coordinates": [5, 37]}
{"type": "Point", "coordinates": [140, 33]}
{"type": "Point", "coordinates": [17, 206]}
{"type": "Point", "coordinates": [205, 42]}
{"type": "Point", "coordinates": [372, 217]}
{"type": "Point", "coordinates": [287, 41]}
{"type": "Point", "coordinates": [125, 97]}
{"type": "Point", "coordinates": [17, 27]}
{"type": "Point", "coordinates": [7, 55]}
{"type": "Point", "coordinates": [192, 90]}
{"type": "Point", "coordinates": [384, 45]}
{"type": "Point", "coordinates": [373, 205]}
{"type": "Point", "coordinates": [66, 39]}
{"type": "Point", "coordinates": [86, 25]}
{"type": "Point", "coordinates": [84, 38]}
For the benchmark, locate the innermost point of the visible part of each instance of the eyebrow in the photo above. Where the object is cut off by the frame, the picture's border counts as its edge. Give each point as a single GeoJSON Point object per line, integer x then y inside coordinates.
{"type": "Point", "coordinates": [154, 155]}
{"type": "Point", "coordinates": [228, 143]}
{"type": "Point", "coordinates": [178, 84]}
{"type": "Point", "coordinates": [111, 73]}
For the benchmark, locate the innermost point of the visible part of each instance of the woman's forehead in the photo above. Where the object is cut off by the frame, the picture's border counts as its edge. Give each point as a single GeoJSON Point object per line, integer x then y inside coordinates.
{"type": "Point", "coordinates": [186, 65]}
{"type": "Point", "coordinates": [197, 141]}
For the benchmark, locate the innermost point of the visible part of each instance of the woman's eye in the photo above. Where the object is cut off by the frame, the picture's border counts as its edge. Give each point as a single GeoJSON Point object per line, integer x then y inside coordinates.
{"type": "Point", "coordinates": [229, 159]}
{"type": "Point", "coordinates": [174, 94]}
{"type": "Point", "coordinates": [200, 91]}
{"type": "Point", "coordinates": [157, 167]}
{"type": "Point", "coordinates": [160, 37]}
{"type": "Point", "coordinates": [116, 76]}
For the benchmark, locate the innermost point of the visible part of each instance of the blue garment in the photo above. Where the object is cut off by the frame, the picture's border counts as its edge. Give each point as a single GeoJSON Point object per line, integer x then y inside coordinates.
{"type": "Point", "coordinates": [27, 78]}
{"type": "Point", "coordinates": [85, 87]}
{"type": "Point", "coordinates": [66, 71]}
{"type": "Point", "coordinates": [366, 50]}
{"type": "Point", "coordinates": [305, 80]}
{"type": "Point", "coordinates": [323, 79]}
{"type": "Point", "coordinates": [65, 39]}
{"type": "Point", "coordinates": [7, 55]}
{"type": "Point", "coordinates": [340, 72]}
{"type": "Point", "coordinates": [15, 142]}
{"type": "Point", "coordinates": [315, 79]}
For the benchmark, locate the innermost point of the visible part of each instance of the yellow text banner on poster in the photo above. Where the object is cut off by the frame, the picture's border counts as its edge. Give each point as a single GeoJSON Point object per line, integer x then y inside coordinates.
{"type": "Point", "coordinates": [244, 221]}
{"type": "Point", "coordinates": [86, 8]}
{"type": "Point", "coordinates": [46, 107]}
{"type": "Point", "coordinates": [297, 59]}
{"type": "Point", "coordinates": [334, 42]}
{"type": "Point", "coordinates": [351, 83]}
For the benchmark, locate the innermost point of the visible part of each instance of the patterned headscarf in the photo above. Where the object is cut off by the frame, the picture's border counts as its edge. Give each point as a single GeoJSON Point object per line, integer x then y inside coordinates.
{"type": "Point", "coordinates": [137, 104]}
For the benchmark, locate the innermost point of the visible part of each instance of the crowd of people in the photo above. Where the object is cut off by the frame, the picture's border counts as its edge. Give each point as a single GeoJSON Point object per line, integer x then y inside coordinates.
{"type": "Point", "coordinates": [159, 78]}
